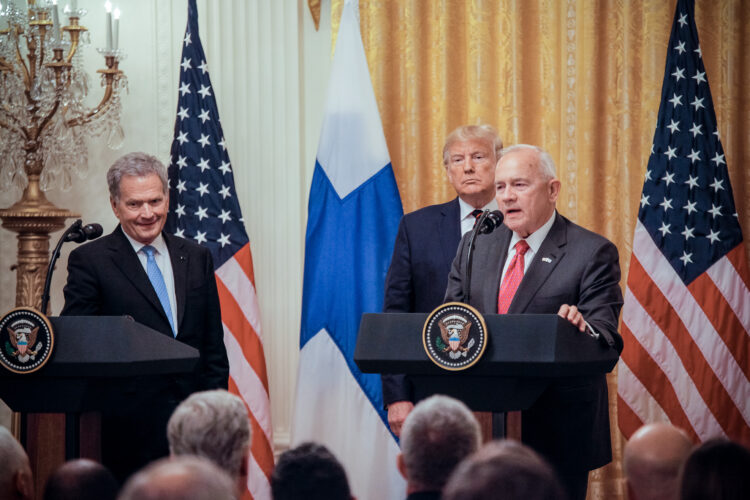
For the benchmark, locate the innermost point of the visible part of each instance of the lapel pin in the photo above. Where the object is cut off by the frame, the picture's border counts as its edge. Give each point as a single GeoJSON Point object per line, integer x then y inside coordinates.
{"type": "Point", "coordinates": [546, 259]}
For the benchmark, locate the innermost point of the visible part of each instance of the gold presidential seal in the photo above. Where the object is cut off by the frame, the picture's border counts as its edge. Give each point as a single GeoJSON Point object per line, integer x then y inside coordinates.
{"type": "Point", "coordinates": [26, 340]}
{"type": "Point", "coordinates": [454, 336]}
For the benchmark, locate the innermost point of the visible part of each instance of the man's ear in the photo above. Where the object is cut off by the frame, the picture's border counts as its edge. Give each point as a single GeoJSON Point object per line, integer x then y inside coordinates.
{"type": "Point", "coordinates": [401, 465]}
{"type": "Point", "coordinates": [24, 484]}
{"type": "Point", "coordinates": [245, 465]}
{"type": "Point", "coordinates": [554, 189]}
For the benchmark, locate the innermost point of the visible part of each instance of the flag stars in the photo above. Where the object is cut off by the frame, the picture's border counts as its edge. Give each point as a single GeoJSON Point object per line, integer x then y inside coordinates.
{"type": "Point", "coordinates": [718, 159]}
{"type": "Point", "coordinates": [699, 77]}
{"type": "Point", "coordinates": [223, 240]}
{"type": "Point", "coordinates": [644, 201]}
{"type": "Point", "coordinates": [696, 129]}
{"type": "Point", "coordinates": [202, 188]}
{"type": "Point", "coordinates": [182, 138]}
{"type": "Point", "coordinates": [201, 213]}
{"type": "Point", "coordinates": [181, 187]}
{"type": "Point", "coordinates": [699, 52]}
{"type": "Point", "coordinates": [187, 39]}
{"type": "Point", "coordinates": [200, 237]}
{"type": "Point", "coordinates": [680, 47]}
{"type": "Point", "coordinates": [224, 216]}
{"type": "Point", "coordinates": [673, 126]}
{"type": "Point", "coordinates": [694, 156]}
{"type": "Point", "coordinates": [203, 67]}
{"type": "Point", "coordinates": [203, 164]}
{"type": "Point", "coordinates": [181, 161]}
{"type": "Point", "coordinates": [184, 88]}
{"type": "Point", "coordinates": [682, 20]}
{"type": "Point", "coordinates": [692, 182]}
{"type": "Point", "coordinates": [180, 210]}
{"type": "Point", "coordinates": [679, 73]}
{"type": "Point", "coordinates": [223, 144]}
{"type": "Point", "coordinates": [666, 204]}
{"type": "Point", "coordinates": [186, 64]}
{"type": "Point", "coordinates": [686, 258]}
{"type": "Point", "coordinates": [668, 178]}
{"type": "Point", "coordinates": [670, 152]}
{"type": "Point", "coordinates": [204, 116]}
{"type": "Point", "coordinates": [715, 211]}
{"type": "Point", "coordinates": [713, 236]}
{"type": "Point", "coordinates": [664, 229]}
{"type": "Point", "coordinates": [204, 91]}
{"type": "Point", "coordinates": [224, 192]}
{"type": "Point", "coordinates": [204, 140]}
{"type": "Point", "coordinates": [225, 167]}
{"type": "Point", "coordinates": [676, 100]}
{"type": "Point", "coordinates": [183, 113]}
{"type": "Point", "coordinates": [698, 103]}
{"type": "Point", "coordinates": [717, 184]}
{"type": "Point", "coordinates": [180, 232]}
{"type": "Point", "coordinates": [647, 177]}
{"type": "Point", "coordinates": [690, 207]}
{"type": "Point", "coordinates": [688, 233]}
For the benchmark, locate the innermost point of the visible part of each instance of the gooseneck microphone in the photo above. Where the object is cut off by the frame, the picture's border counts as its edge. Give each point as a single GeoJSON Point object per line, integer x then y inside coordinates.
{"type": "Point", "coordinates": [76, 232]}
{"type": "Point", "coordinates": [486, 223]}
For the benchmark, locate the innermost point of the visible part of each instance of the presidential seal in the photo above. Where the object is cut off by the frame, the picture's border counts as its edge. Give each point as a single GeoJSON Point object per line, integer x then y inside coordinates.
{"type": "Point", "coordinates": [26, 340]}
{"type": "Point", "coordinates": [454, 336]}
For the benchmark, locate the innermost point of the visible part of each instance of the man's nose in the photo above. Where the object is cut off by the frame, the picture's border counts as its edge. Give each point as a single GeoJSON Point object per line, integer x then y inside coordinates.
{"type": "Point", "coordinates": [469, 165]}
{"type": "Point", "coordinates": [146, 211]}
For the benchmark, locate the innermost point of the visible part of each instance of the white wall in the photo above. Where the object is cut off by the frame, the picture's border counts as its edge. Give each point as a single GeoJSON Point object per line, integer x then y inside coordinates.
{"type": "Point", "coordinates": [269, 69]}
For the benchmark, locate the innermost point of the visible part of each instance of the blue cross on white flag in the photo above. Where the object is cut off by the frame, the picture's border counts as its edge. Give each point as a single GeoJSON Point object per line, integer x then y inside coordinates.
{"type": "Point", "coordinates": [353, 216]}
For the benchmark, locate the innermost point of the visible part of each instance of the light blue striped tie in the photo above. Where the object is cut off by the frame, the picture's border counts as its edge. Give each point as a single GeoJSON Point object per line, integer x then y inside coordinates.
{"type": "Point", "coordinates": [157, 281]}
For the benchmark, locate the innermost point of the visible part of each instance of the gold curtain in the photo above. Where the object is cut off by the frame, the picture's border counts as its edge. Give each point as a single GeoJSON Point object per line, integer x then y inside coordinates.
{"type": "Point", "coordinates": [582, 78]}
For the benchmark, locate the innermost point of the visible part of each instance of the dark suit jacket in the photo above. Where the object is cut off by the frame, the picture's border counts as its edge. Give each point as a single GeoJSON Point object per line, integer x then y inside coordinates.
{"type": "Point", "coordinates": [425, 246]}
{"type": "Point", "coordinates": [569, 424]}
{"type": "Point", "coordinates": [105, 278]}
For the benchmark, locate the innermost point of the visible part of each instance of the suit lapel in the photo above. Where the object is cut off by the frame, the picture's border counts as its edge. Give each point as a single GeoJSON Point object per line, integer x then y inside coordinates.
{"type": "Point", "coordinates": [545, 261]}
{"type": "Point", "coordinates": [179, 258]}
{"type": "Point", "coordinates": [125, 259]}
{"type": "Point", "coordinates": [449, 230]}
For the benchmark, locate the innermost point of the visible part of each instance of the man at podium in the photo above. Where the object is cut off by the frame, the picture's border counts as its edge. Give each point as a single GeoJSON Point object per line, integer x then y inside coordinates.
{"type": "Point", "coordinates": [162, 281]}
{"type": "Point", "coordinates": [539, 262]}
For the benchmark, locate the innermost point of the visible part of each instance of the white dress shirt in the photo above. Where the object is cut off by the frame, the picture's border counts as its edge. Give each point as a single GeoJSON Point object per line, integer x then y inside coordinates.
{"type": "Point", "coordinates": [464, 212]}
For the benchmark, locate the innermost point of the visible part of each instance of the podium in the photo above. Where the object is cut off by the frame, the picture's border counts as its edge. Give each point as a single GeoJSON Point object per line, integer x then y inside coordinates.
{"type": "Point", "coordinates": [524, 354]}
{"type": "Point", "coordinates": [94, 358]}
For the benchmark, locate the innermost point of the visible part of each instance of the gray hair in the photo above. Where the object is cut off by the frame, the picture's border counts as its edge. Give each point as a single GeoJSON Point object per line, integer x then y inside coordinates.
{"type": "Point", "coordinates": [546, 163]}
{"type": "Point", "coordinates": [180, 478]}
{"type": "Point", "coordinates": [438, 434]}
{"type": "Point", "coordinates": [138, 165]}
{"type": "Point", "coordinates": [13, 459]}
{"type": "Point", "coordinates": [468, 132]}
{"type": "Point", "coordinates": [211, 424]}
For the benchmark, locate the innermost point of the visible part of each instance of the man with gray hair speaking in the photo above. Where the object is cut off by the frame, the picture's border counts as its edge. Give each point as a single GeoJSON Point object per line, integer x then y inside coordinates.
{"type": "Point", "coordinates": [438, 434]}
{"type": "Point", "coordinates": [162, 281]}
{"type": "Point", "coordinates": [214, 425]}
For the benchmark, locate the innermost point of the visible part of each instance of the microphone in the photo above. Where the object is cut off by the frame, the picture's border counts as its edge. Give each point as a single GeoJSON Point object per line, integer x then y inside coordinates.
{"type": "Point", "coordinates": [76, 232]}
{"type": "Point", "coordinates": [487, 223]}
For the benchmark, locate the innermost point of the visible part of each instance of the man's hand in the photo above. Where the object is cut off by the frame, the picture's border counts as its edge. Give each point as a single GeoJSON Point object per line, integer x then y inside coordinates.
{"type": "Point", "coordinates": [397, 413]}
{"type": "Point", "coordinates": [572, 314]}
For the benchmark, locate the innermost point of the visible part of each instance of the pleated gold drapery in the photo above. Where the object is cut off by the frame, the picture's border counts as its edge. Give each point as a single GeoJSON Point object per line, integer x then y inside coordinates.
{"type": "Point", "coordinates": [582, 78]}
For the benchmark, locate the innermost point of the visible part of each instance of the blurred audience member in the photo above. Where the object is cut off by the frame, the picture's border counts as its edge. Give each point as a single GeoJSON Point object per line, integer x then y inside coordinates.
{"type": "Point", "coordinates": [214, 425]}
{"type": "Point", "coordinates": [81, 479]}
{"type": "Point", "coordinates": [716, 470]}
{"type": "Point", "coordinates": [504, 469]}
{"type": "Point", "coordinates": [180, 478]}
{"type": "Point", "coordinates": [16, 481]}
{"type": "Point", "coordinates": [652, 461]}
{"type": "Point", "coordinates": [309, 472]}
{"type": "Point", "coordinates": [438, 433]}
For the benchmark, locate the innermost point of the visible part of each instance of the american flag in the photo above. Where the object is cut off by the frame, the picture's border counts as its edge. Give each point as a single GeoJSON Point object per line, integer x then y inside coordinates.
{"type": "Point", "coordinates": [686, 318]}
{"type": "Point", "coordinates": [204, 207]}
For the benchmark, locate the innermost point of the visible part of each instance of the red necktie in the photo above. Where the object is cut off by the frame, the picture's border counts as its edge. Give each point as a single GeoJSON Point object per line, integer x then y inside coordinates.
{"type": "Point", "coordinates": [513, 277]}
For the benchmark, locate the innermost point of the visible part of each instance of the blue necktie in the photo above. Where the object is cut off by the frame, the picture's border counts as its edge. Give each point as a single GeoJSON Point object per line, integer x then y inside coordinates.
{"type": "Point", "coordinates": [157, 281]}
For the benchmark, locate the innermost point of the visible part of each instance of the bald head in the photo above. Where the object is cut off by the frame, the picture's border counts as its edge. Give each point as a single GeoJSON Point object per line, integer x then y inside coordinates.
{"type": "Point", "coordinates": [81, 479]}
{"type": "Point", "coordinates": [653, 457]}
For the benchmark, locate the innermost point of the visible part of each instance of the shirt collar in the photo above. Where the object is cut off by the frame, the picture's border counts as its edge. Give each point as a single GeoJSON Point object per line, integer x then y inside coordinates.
{"type": "Point", "coordinates": [159, 244]}
{"type": "Point", "coordinates": [464, 209]}
{"type": "Point", "coordinates": [536, 238]}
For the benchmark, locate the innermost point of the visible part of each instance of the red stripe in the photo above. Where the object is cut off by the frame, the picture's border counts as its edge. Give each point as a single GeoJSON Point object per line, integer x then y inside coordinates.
{"type": "Point", "coordinates": [738, 257]}
{"type": "Point", "coordinates": [707, 383]}
{"type": "Point", "coordinates": [233, 317]}
{"type": "Point", "coordinates": [653, 379]}
{"type": "Point", "coordinates": [260, 448]}
{"type": "Point", "coordinates": [244, 258]}
{"type": "Point", "coordinates": [723, 318]}
{"type": "Point", "coordinates": [628, 421]}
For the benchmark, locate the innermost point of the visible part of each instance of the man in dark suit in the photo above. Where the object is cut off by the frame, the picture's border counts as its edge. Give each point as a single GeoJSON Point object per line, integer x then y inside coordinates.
{"type": "Point", "coordinates": [427, 240]}
{"type": "Point", "coordinates": [162, 281]}
{"type": "Point", "coordinates": [538, 262]}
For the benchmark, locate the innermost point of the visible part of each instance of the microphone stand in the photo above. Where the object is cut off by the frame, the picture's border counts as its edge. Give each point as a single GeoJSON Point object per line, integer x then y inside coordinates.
{"type": "Point", "coordinates": [75, 227]}
{"type": "Point", "coordinates": [470, 256]}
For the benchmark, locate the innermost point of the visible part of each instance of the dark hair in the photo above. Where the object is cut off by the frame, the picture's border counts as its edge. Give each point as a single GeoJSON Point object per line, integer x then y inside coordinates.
{"type": "Point", "coordinates": [81, 480]}
{"type": "Point", "coordinates": [718, 469]}
{"type": "Point", "coordinates": [309, 472]}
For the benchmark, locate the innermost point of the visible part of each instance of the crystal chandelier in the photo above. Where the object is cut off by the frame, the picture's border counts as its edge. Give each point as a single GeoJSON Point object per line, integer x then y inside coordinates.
{"type": "Point", "coordinates": [44, 121]}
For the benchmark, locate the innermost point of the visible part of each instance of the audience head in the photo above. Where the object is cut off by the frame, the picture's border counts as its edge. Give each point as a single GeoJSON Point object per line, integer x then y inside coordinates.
{"type": "Point", "coordinates": [309, 472]}
{"type": "Point", "coordinates": [212, 424]}
{"type": "Point", "coordinates": [504, 466]}
{"type": "Point", "coordinates": [652, 461]}
{"type": "Point", "coordinates": [16, 481]}
{"type": "Point", "coordinates": [469, 155]}
{"type": "Point", "coordinates": [437, 435]}
{"type": "Point", "coordinates": [180, 478]}
{"type": "Point", "coordinates": [717, 470]}
{"type": "Point", "coordinates": [81, 479]}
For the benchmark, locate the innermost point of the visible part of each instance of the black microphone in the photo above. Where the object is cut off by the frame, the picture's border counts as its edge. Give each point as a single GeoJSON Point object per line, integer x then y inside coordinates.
{"type": "Point", "coordinates": [486, 223]}
{"type": "Point", "coordinates": [76, 232]}
{"type": "Point", "coordinates": [490, 221]}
